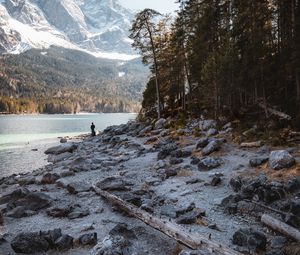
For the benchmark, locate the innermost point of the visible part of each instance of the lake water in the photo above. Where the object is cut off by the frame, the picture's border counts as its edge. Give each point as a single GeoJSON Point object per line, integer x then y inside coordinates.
{"type": "Point", "coordinates": [22, 135]}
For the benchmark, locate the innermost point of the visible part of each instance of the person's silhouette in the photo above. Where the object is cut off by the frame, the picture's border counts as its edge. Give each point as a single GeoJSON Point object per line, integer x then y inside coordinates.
{"type": "Point", "coordinates": [93, 129]}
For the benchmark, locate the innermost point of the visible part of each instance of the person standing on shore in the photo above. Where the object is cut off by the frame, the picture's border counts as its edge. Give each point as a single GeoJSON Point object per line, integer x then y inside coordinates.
{"type": "Point", "coordinates": [93, 129]}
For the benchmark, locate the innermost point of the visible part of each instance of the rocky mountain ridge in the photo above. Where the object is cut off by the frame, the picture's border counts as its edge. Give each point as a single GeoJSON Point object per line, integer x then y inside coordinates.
{"type": "Point", "coordinates": [99, 27]}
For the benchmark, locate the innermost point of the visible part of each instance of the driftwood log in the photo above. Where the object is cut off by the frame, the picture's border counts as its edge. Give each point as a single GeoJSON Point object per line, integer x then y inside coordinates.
{"type": "Point", "coordinates": [191, 240]}
{"type": "Point", "coordinates": [272, 111]}
{"type": "Point", "coordinates": [251, 144]}
{"type": "Point", "coordinates": [281, 227]}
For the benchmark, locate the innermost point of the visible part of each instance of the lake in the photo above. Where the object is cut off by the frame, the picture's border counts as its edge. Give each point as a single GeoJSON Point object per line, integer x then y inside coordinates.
{"type": "Point", "coordinates": [24, 138]}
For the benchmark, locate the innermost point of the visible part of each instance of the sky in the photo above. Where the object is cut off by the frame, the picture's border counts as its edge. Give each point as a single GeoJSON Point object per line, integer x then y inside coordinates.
{"type": "Point", "coordinates": [163, 6]}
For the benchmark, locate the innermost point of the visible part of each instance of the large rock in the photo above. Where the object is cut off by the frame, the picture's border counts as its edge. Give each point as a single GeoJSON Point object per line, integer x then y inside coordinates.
{"type": "Point", "coordinates": [68, 147]}
{"type": "Point", "coordinates": [77, 187]}
{"type": "Point", "coordinates": [212, 146]}
{"type": "Point", "coordinates": [88, 239]}
{"type": "Point", "coordinates": [160, 123]}
{"type": "Point", "coordinates": [111, 245]}
{"type": "Point", "coordinates": [166, 151]}
{"type": "Point", "coordinates": [34, 201]}
{"type": "Point", "coordinates": [63, 243]}
{"type": "Point", "coordinates": [208, 163]}
{"type": "Point", "coordinates": [205, 125]}
{"type": "Point", "coordinates": [29, 243]}
{"type": "Point", "coordinates": [258, 161]}
{"type": "Point", "coordinates": [14, 195]}
{"type": "Point", "coordinates": [254, 240]}
{"type": "Point", "coordinates": [202, 142]}
{"type": "Point", "coordinates": [281, 159]}
{"type": "Point", "coordinates": [212, 132]}
{"type": "Point", "coordinates": [58, 158]}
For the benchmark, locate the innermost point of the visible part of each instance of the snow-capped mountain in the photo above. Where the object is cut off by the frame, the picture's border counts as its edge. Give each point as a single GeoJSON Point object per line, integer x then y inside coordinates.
{"type": "Point", "coordinates": [99, 27]}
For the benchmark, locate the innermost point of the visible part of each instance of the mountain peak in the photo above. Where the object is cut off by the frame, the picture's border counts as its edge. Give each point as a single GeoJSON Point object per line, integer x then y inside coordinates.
{"type": "Point", "coordinates": [95, 26]}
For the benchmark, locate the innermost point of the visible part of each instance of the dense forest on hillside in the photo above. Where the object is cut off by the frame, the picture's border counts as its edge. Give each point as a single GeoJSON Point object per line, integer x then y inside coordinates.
{"type": "Point", "coordinates": [226, 57]}
{"type": "Point", "coordinates": [60, 80]}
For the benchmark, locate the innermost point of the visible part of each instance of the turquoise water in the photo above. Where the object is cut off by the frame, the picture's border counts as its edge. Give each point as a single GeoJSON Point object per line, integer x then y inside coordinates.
{"type": "Point", "coordinates": [24, 138]}
{"type": "Point", "coordinates": [18, 130]}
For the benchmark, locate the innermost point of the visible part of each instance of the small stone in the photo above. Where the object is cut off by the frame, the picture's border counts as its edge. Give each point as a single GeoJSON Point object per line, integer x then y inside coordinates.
{"type": "Point", "coordinates": [191, 217]}
{"type": "Point", "coordinates": [63, 140]}
{"type": "Point", "coordinates": [254, 240]}
{"type": "Point", "coordinates": [236, 184]}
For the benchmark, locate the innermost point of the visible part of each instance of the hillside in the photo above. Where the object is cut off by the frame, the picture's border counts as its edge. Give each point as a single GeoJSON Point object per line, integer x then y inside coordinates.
{"type": "Point", "coordinates": [64, 80]}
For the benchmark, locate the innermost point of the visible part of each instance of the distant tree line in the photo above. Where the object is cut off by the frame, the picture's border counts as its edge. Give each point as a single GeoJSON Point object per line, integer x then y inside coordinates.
{"type": "Point", "coordinates": [224, 56]}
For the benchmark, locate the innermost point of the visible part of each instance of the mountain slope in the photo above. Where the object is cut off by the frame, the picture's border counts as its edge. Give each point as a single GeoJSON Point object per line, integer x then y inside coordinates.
{"type": "Point", "coordinates": [95, 26]}
{"type": "Point", "coordinates": [59, 76]}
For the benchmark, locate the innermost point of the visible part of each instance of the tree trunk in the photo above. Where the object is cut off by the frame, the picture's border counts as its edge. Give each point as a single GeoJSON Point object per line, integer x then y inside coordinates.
{"type": "Point", "coordinates": [281, 227]}
{"type": "Point", "coordinates": [155, 70]}
{"type": "Point", "coordinates": [191, 240]}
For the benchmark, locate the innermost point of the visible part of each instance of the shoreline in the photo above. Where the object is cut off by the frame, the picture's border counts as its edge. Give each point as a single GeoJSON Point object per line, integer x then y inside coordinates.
{"type": "Point", "coordinates": [196, 182]}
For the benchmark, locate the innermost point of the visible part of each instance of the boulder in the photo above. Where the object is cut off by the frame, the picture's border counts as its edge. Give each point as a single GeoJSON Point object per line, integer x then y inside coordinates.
{"type": "Point", "coordinates": [212, 132]}
{"type": "Point", "coordinates": [252, 239]}
{"type": "Point", "coordinates": [216, 181]}
{"type": "Point", "coordinates": [202, 142]}
{"type": "Point", "coordinates": [77, 187]}
{"type": "Point", "coordinates": [175, 161]}
{"type": "Point", "coordinates": [293, 185]}
{"type": "Point", "coordinates": [29, 243]}
{"type": "Point", "coordinates": [145, 130]}
{"type": "Point", "coordinates": [63, 243]}
{"type": "Point", "coordinates": [88, 239]}
{"type": "Point", "coordinates": [212, 146]}
{"type": "Point", "coordinates": [205, 125]}
{"type": "Point", "coordinates": [166, 151]}
{"type": "Point", "coordinates": [51, 236]}
{"type": "Point", "coordinates": [50, 178]}
{"type": "Point", "coordinates": [208, 163]}
{"type": "Point", "coordinates": [60, 157]}
{"type": "Point", "coordinates": [63, 140]}
{"type": "Point", "coordinates": [67, 147]}
{"type": "Point", "coordinates": [281, 159]}
{"type": "Point", "coordinates": [14, 195]}
{"type": "Point", "coordinates": [59, 212]}
{"type": "Point", "coordinates": [34, 201]}
{"type": "Point", "coordinates": [182, 153]}
{"type": "Point", "coordinates": [258, 161]}
{"type": "Point", "coordinates": [111, 245]}
{"type": "Point", "coordinates": [160, 123]}
{"type": "Point", "coordinates": [236, 184]}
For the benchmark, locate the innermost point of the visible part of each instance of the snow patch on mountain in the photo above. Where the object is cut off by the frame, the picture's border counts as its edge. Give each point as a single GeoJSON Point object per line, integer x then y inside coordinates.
{"type": "Point", "coordinates": [98, 27]}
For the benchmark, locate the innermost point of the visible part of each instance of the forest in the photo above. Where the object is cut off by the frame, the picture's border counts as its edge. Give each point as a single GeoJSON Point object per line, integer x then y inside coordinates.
{"type": "Point", "coordinates": [231, 58]}
{"type": "Point", "coordinates": [60, 80]}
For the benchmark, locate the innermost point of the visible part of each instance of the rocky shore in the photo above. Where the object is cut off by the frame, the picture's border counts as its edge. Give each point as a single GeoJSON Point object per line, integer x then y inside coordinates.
{"type": "Point", "coordinates": [196, 177]}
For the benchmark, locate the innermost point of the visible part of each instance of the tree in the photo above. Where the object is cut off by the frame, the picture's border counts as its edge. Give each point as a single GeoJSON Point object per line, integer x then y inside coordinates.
{"type": "Point", "coordinates": [143, 32]}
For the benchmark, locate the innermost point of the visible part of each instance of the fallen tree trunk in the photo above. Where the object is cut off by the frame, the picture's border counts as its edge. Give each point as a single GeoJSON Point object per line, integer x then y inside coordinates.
{"type": "Point", "coordinates": [281, 227]}
{"type": "Point", "coordinates": [194, 241]}
{"type": "Point", "coordinates": [251, 144]}
{"type": "Point", "coordinates": [282, 115]}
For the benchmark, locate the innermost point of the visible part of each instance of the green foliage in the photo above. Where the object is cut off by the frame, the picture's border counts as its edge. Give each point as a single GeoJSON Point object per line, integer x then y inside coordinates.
{"type": "Point", "coordinates": [228, 56]}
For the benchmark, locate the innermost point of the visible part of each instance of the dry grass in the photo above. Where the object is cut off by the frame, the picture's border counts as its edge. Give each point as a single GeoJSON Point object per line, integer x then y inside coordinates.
{"type": "Point", "coordinates": [274, 175]}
